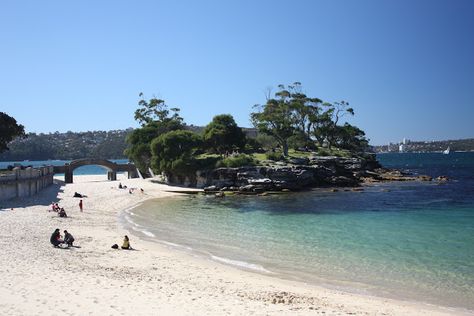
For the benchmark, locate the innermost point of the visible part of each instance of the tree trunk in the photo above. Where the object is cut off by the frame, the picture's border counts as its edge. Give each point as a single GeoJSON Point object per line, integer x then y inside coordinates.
{"type": "Point", "coordinates": [285, 148]}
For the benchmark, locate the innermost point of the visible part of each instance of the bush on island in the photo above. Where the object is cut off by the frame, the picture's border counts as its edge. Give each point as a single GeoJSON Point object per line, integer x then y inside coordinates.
{"type": "Point", "coordinates": [236, 161]}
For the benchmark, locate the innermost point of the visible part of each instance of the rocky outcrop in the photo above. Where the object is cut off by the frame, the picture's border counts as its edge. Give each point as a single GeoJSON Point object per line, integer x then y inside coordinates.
{"type": "Point", "coordinates": [295, 174]}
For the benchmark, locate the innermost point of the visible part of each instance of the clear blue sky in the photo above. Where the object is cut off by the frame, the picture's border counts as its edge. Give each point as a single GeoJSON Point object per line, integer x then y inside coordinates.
{"type": "Point", "coordinates": [406, 66]}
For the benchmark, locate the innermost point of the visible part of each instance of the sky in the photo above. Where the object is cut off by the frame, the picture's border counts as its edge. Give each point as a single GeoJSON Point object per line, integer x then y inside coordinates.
{"type": "Point", "coordinates": [405, 66]}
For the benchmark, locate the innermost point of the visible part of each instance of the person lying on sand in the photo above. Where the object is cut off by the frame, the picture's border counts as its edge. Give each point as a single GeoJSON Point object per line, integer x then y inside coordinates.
{"type": "Point", "coordinates": [55, 238]}
{"type": "Point", "coordinates": [68, 238]}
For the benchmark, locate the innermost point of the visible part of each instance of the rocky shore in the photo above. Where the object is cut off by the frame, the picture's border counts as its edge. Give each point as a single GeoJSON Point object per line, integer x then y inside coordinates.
{"type": "Point", "coordinates": [297, 174]}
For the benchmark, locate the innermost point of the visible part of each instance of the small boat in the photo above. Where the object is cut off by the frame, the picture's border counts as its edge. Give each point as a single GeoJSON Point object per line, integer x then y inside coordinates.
{"type": "Point", "coordinates": [446, 152]}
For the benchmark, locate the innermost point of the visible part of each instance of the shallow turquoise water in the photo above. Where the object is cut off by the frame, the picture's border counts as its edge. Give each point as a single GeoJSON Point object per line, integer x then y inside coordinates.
{"type": "Point", "coordinates": [414, 241]}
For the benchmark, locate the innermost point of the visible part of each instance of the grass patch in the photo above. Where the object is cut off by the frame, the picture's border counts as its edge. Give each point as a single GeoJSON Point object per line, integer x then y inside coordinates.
{"type": "Point", "coordinates": [237, 161]}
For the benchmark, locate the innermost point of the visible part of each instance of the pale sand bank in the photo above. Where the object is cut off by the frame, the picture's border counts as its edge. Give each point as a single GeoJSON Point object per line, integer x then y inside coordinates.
{"type": "Point", "coordinates": [37, 279]}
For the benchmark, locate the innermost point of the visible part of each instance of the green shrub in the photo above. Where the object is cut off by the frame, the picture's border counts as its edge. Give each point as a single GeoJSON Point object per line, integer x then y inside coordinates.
{"type": "Point", "coordinates": [236, 161]}
{"type": "Point", "coordinates": [275, 156]}
{"type": "Point", "coordinates": [324, 152]}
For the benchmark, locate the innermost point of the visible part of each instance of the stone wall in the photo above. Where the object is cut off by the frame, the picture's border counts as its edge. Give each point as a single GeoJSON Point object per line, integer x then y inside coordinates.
{"type": "Point", "coordinates": [26, 182]}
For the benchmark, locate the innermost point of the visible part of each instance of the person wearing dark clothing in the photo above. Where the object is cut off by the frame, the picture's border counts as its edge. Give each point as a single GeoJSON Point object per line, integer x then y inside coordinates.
{"type": "Point", "coordinates": [55, 238]}
{"type": "Point", "coordinates": [68, 238]}
{"type": "Point", "coordinates": [62, 213]}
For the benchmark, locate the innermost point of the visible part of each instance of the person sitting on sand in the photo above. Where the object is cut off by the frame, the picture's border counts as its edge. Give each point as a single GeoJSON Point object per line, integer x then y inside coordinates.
{"type": "Point", "coordinates": [126, 243]}
{"type": "Point", "coordinates": [120, 185]}
{"type": "Point", "coordinates": [55, 238]}
{"type": "Point", "coordinates": [68, 238]}
{"type": "Point", "coordinates": [56, 207]}
{"type": "Point", "coordinates": [62, 212]}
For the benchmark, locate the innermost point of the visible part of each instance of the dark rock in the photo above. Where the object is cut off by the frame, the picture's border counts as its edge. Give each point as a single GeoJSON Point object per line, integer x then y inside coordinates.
{"type": "Point", "coordinates": [425, 178]}
{"type": "Point", "coordinates": [342, 181]}
{"type": "Point", "coordinates": [247, 188]}
{"type": "Point", "coordinates": [303, 161]}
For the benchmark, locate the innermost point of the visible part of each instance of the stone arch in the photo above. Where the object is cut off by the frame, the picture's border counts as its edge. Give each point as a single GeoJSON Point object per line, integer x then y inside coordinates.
{"type": "Point", "coordinates": [112, 168]}
{"type": "Point", "coordinates": [73, 165]}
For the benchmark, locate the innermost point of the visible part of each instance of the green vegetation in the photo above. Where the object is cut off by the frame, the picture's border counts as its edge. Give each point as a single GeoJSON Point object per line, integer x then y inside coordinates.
{"type": "Point", "coordinates": [295, 120]}
{"type": "Point", "coordinates": [274, 155]}
{"type": "Point", "coordinates": [65, 146]}
{"type": "Point", "coordinates": [237, 161]}
{"type": "Point", "coordinates": [173, 152]}
{"type": "Point", "coordinates": [223, 135]}
{"type": "Point", "coordinates": [290, 124]}
{"type": "Point", "coordinates": [9, 130]}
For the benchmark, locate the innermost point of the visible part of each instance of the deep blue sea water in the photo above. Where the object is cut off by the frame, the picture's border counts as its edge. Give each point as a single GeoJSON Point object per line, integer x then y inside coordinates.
{"type": "Point", "coordinates": [411, 240]}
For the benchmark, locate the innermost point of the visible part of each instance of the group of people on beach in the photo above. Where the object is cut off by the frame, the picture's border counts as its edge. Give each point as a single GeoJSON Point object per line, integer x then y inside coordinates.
{"type": "Point", "coordinates": [57, 240]}
{"type": "Point", "coordinates": [60, 210]}
{"type": "Point", "coordinates": [130, 190]}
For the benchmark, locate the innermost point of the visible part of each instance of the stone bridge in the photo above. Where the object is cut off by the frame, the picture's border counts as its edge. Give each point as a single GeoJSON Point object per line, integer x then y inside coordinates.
{"type": "Point", "coordinates": [112, 168]}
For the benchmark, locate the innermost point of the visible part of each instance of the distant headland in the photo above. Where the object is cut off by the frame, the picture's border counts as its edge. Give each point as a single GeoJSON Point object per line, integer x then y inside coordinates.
{"type": "Point", "coordinates": [406, 145]}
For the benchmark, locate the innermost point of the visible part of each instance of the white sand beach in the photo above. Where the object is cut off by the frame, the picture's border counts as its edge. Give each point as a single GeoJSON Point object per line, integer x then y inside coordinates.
{"type": "Point", "coordinates": [38, 279]}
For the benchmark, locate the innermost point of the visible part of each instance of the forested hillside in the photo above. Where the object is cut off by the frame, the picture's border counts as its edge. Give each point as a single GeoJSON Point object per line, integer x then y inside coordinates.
{"type": "Point", "coordinates": [70, 145]}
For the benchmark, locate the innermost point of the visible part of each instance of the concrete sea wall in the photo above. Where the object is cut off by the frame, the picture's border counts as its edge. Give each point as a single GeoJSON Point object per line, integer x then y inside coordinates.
{"type": "Point", "coordinates": [24, 182]}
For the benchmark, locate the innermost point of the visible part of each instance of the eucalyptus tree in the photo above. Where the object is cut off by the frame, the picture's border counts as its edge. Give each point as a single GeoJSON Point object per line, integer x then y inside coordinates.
{"type": "Point", "coordinates": [288, 113]}
{"type": "Point", "coordinates": [155, 119]}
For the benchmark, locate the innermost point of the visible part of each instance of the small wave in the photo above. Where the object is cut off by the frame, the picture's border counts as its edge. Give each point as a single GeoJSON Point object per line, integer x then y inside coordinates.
{"type": "Point", "coordinates": [130, 221]}
{"type": "Point", "coordinates": [175, 245]}
{"type": "Point", "coordinates": [149, 234]}
{"type": "Point", "coordinates": [129, 209]}
{"type": "Point", "coordinates": [241, 264]}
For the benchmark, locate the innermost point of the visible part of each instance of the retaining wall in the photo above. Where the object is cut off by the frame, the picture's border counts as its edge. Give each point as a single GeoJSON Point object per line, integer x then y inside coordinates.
{"type": "Point", "coordinates": [26, 182]}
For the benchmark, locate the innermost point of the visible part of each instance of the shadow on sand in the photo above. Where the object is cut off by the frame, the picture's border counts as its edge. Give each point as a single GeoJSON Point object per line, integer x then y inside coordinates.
{"type": "Point", "coordinates": [44, 197]}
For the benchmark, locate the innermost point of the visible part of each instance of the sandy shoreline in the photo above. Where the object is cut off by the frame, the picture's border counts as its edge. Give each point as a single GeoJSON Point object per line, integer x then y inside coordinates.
{"type": "Point", "coordinates": [38, 279]}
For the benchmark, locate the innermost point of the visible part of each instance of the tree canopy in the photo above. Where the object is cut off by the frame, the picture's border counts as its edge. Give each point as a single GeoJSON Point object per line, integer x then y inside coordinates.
{"type": "Point", "coordinates": [9, 130]}
{"type": "Point", "coordinates": [289, 118]}
{"type": "Point", "coordinates": [223, 135]}
{"type": "Point", "coordinates": [156, 120]}
{"type": "Point", "coordinates": [288, 113]}
{"type": "Point", "coordinates": [172, 151]}
{"type": "Point", "coordinates": [155, 110]}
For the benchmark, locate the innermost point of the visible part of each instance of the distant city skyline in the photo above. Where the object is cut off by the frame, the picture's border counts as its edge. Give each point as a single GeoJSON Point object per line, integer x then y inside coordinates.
{"type": "Point", "coordinates": [405, 66]}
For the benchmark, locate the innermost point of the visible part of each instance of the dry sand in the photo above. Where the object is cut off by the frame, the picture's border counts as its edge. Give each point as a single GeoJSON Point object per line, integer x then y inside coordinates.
{"type": "Point", "coordinates": [38, 279]}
